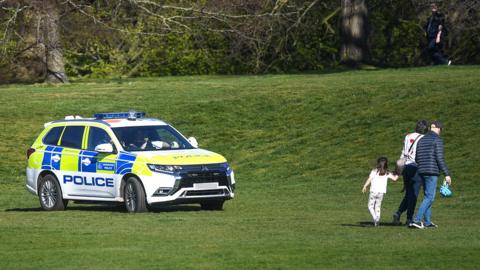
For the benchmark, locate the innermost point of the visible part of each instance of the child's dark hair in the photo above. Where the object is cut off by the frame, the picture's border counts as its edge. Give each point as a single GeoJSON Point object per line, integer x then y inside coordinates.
{"type": "Point", "coordinates": [382, 165]}
{"type": "Point", "coordinates": [422, 127]}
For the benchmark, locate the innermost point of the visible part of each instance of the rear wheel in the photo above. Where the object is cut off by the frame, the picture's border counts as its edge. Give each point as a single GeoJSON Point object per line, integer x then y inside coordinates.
{"type": "Point", "coordinates": [50, 194]}
{"type": "Point", "coordinates": [134, 196]}
{"type": "Point", "coordinates": [212, 205]}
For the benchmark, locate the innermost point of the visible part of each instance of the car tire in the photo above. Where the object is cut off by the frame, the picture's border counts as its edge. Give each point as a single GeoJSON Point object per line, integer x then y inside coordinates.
{"type": "Point", "coordinates": [134, 196]}
{"type": "Point", "coordinates": [212, 205]}
{"type": "Point", "coordinates": [50, 194]}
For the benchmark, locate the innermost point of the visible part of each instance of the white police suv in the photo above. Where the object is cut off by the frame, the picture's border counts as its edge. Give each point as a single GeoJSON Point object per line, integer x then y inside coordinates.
{"type": "Point", "coordinates": [124, 157]}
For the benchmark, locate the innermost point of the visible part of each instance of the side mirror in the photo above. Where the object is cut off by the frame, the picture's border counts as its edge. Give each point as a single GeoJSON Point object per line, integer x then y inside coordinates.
{"type": "Point", "coordinates": [193, 142]}
{"type": "Point", "coordinates": [104, 148]}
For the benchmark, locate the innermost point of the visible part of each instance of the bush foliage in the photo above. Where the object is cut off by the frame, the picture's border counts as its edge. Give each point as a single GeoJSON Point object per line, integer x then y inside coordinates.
{"type": "Point", "coordinates": [108, 39]}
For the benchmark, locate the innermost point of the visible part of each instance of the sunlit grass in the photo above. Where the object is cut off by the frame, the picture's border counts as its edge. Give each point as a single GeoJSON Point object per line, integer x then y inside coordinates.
{"type": "Point", "coordinates": [301, 147]}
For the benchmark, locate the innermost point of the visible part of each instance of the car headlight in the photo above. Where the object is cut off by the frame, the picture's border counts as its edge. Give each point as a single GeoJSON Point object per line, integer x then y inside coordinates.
{"type": "Point", "coordinates": [228, 168]}
{"type": "Point", "coordinates": [225, 166]}
{"type": "Point", "coordinates": [164, 168]}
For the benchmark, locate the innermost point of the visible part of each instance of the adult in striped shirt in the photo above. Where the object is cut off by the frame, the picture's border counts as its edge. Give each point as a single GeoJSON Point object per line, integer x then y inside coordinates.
{"type": "Point", "coordinates": [431, 164]}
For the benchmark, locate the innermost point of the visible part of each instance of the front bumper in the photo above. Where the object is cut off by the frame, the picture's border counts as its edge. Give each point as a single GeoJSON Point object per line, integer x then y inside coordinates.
{"type": "Point", "coordinates": [193, 184]}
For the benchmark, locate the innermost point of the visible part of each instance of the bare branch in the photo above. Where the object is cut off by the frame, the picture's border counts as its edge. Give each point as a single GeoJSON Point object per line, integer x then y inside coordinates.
{"type": "Point", "coordinates": [15, 11]}
{"type": "Point", "coordinates": [299, 20]}
{"type": "Point", "coordinates": [211, 13]}
{"type": "Point", "coordinates": [107, 26]}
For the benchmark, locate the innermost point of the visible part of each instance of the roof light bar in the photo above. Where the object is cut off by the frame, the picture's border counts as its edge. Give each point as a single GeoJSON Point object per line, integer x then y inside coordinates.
{"type": "Point", "coordinates": [120, 115]}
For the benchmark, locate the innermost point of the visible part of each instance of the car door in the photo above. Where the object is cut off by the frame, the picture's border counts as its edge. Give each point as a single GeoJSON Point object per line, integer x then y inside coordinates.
{"type": "Point", "coordinates": [65, 159]}
{"type": "Point", "coordinates": [98, 168]}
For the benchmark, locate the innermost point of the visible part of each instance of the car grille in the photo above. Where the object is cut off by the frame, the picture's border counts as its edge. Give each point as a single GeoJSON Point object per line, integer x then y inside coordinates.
{"type": "Point", "coordinates": [194, 174]}
{"type": "Point", "coordinates": [206, 192]}
{"type": "Point", "coordinates": [190, 178]}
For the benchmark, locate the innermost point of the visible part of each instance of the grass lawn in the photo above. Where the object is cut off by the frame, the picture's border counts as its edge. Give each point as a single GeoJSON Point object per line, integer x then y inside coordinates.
{"type": "Point", "coordinates": [301, 147]}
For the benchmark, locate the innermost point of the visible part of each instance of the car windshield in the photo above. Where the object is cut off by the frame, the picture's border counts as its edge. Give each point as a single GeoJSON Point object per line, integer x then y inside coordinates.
{"type": "Point", "coordinates": [150, 138]}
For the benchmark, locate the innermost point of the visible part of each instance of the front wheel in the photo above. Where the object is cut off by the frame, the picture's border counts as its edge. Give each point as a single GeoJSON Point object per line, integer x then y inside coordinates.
{"type": "Point", "coordinates": [134, 196]}
{"type": "Point", "coordinates": [50, 194]}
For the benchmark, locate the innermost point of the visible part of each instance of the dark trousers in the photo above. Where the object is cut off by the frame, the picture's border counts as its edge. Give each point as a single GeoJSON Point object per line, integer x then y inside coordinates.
{"type": "Point", "coordinates": [413, 183]}
{"type": "Point", "coordinates": [435, 53]}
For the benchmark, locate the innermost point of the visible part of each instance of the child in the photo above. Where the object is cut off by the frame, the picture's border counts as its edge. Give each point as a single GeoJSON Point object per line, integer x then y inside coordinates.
{"type": "Point", "coordinates": [378, 187]}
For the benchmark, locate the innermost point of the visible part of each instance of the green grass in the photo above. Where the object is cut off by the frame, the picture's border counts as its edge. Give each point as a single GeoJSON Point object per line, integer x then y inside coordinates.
{"type": "Point", "coordinates": [301, 147]}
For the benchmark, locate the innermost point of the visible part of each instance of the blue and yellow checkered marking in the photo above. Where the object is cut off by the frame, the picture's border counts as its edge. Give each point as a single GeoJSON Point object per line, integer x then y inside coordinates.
{"type": "Point", "coordinates": [125, 163]}
{"type": "Point", "coordinates": [47, 162]}
{"type": "Point", "coordinates": [92, 156]}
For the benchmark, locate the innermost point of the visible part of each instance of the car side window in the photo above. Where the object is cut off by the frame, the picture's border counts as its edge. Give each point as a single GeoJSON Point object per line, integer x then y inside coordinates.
{"type": "Point", "coordinates": [72, 137]}
{"type": "Point", "coordinates": [97, 136]}
{"type": "Point", "coordinates": [168, 138]}
{"type": "Point", "coordinates": [53, 136]}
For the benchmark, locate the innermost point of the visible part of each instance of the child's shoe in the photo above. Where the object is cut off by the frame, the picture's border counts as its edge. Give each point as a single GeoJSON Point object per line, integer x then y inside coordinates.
{"type": "Point", "coordinates": [396, 218]}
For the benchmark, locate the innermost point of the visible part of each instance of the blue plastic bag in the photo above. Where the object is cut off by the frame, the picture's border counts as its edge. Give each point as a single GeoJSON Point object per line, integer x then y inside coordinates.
{"type": "Point", "coordinates": [445, 190]}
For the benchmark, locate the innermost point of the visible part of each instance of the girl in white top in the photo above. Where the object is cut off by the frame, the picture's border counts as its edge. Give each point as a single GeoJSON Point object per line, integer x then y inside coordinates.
{"type": "Point", "coordinates": [378, 187]}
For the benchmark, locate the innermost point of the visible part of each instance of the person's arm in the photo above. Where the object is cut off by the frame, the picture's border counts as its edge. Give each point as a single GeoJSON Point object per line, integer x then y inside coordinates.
{"type": "Point", "coordinates": [427, 26]}
{"type": "Point", "coordinates": [404, 149]}
{"type": "Point", "coordinates": [439, 34]}
{"type": "Point", "coordinates": [144, 145]}
{"type": "Point", "coordinates": [367, 183]}
{"type": "Point", "coordinates": [438, 148]}
{"type": "Point", "coordinates": [392, 176]}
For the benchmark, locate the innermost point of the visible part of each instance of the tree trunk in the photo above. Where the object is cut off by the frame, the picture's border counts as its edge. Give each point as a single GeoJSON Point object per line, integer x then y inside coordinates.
{"type": "Point", "coordinates": [54, 53]}
{"type": "Point", "coordinates": [27, 62]}
{"type": "Point", "coordinates": [354, 33]}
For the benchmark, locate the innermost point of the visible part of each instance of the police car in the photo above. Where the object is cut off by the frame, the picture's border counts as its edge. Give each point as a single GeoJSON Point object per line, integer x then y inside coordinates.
{"type": "Point", "coordinates": [124, 157]}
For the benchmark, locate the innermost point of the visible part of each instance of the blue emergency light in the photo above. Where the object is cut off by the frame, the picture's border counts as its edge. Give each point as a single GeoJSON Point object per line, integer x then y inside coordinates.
{"type": "Point", "coordinates": [120, 115]}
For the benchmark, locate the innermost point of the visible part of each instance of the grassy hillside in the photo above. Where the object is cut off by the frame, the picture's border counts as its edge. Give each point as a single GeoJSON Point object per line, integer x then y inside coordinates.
{"type": "Point", "coordinates": [301, 147]}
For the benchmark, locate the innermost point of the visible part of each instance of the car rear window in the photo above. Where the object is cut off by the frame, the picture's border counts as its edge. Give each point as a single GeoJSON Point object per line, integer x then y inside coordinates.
{"type": "Point", "coordinates": [72, 137]}
{"type": "Point", "coordinates": [52, 136]}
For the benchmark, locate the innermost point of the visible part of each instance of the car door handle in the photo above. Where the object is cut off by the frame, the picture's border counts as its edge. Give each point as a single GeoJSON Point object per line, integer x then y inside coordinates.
{"type": "Point", "coordinates": [56, 158]}
{"type": "Point", "coordinates": [86, 161]}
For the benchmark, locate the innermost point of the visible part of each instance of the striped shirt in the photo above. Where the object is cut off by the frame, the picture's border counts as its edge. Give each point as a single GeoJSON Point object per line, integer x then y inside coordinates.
{"type": "Point", "coordinates": [429, 156]}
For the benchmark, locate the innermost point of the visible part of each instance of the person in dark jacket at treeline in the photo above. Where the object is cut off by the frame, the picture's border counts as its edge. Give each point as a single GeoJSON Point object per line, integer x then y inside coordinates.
{"type": "Point", "coordinates": [436, 31]}
{"type": "Point", "coordinates": [431, 163]}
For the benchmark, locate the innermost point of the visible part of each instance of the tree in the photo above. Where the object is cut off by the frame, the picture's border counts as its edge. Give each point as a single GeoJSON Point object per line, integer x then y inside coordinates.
{"type": "Point", "coordinates": [354, 32]}
{"type": "Point", "coordinates": [36, 25]}
{"type": "Point", "coordinates": [50, 15]}
{"type": "Point", "coordinates": [257, 34]}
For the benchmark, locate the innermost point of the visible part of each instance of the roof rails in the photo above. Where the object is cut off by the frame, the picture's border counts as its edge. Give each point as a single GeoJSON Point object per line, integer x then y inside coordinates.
{"type": "Point", "coordinates": [132, 115]}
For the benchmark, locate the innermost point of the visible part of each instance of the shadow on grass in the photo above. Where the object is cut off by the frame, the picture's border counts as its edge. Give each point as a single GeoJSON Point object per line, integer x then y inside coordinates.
{"type": "Point", "coordinates": [121, 80]}
{"type": "Point", "coordinates": [24, 210]}
{"type": "Point", "coordinates": [368, 224]}
{"type": "Point", "coordinates": [114, 208]}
